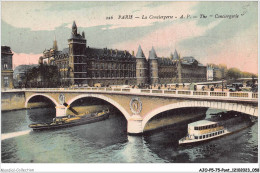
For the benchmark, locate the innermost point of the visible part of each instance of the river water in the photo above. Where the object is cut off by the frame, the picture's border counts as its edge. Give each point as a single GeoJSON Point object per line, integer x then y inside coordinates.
{"type": "Point", "coordinates": [107, 142]}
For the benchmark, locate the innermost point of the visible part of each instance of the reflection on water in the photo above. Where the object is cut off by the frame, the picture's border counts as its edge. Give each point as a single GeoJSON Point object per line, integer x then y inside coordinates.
{"type": "Point", "coordinates": [14, 134]}
{"type": "Point", "coordinates": [107, 142]}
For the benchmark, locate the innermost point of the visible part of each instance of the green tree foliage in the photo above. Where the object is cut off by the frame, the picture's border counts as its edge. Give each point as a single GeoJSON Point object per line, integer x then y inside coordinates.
{"type": "Point", "coordinates": [230, 73]}
{"type": "Point", "coordinates": [233, 73]}
{"type": "Point", "coordinates": [46, 76]}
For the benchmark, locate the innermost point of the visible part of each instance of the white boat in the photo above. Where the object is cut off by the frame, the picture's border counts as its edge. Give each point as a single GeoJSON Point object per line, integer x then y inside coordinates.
{"type": "Point", "coordinates": [209, 129]}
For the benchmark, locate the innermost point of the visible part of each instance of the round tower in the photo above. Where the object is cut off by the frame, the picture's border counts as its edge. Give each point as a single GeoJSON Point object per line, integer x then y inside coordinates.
{"type": "Point", "coordinates": [153, 67]}
{"type": "Point", "coordinates": [141, 68]}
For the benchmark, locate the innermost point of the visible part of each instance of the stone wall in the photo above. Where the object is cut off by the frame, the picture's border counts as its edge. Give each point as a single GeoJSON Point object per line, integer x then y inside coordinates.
{"type": "Point", "coordinates": [12, 100]}
{"type": "Point", "coordinates": [16, 100]}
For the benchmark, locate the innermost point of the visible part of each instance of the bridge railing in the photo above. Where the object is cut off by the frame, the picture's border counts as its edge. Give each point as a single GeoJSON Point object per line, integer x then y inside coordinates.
{"type": "Point", "coordinates": [254, 95]}
{"type": "Point", "coordinates": [165, 92]}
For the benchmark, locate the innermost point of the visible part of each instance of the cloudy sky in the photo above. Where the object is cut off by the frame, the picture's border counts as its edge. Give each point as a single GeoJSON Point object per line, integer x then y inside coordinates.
{"type": "Point", "coordinates": [30, 27]}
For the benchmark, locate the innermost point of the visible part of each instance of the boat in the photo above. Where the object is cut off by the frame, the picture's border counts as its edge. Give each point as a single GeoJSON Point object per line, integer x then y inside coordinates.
{"type": "Point", "coordinates": [71, 120]}
{"type": "Point", "coordinates": [217, 126]}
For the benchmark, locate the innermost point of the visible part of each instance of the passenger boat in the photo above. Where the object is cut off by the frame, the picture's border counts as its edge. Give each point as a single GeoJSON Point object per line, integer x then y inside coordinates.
{"type": "Point", "coordinates": [217, 126]}
{"type": "Point", "coordinates": [71, 120]}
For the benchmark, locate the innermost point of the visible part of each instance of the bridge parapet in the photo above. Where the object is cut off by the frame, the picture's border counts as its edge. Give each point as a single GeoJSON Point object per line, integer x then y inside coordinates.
{"type": "Point", "coordinates": [153, 92]}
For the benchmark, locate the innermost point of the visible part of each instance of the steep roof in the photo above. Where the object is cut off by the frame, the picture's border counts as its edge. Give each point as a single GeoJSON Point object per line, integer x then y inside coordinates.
{"type": "Point", "coordinates": [189, 60]}
{"type": "Point", "coordinates": [152, 54]}
{"type": "Point", "coordinates": [6, 49]}
{"type": "Point", "coordinates": [77, 36]}
{"type": "Point", "coordinates": [165, 61]}
{"type": "Point", "coordinates": [140, 53]}
{"type": "Point", "coordinates": [74, 24]}
{"type": "Point", "coordinates": [64, 53]}
{"type": "Point", "coordinates": [107, 52]}
{"type": "Point", "coordinates": [175, 55]}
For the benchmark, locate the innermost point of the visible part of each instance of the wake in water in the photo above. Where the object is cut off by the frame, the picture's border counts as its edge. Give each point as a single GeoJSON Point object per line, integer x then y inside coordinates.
{"type": "Point", "coordinates": [14, 134]}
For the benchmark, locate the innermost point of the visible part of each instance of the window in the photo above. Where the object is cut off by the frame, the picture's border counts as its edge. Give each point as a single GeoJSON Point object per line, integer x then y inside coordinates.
{"type": "Point", "coordinates": [6, 82]}
{"type": "Point", "coordinates": [200, 137]}
{"type": "Point", "coordinates": [207, 136]}
{"type": "Point", "coordinates": [196, 137]}
{"type": "Point", "coordinates": [5, 66]}
{"type": "Point", "coordinates": [196, 128]}
{"type": "Point", "coordinates": [203, 136]}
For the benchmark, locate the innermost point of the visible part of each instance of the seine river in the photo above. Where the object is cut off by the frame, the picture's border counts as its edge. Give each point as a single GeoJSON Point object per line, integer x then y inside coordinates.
{"type": "Point", "coordinates": [107, 142]}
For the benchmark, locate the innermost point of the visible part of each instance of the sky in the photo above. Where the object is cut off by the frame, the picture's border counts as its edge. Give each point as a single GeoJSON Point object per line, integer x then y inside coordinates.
{"type": "Point", "coordinates": [30, 27]}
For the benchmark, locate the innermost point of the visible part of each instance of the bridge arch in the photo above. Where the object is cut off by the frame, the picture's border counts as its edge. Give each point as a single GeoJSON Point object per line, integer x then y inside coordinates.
{"type": "Point", "coordinates": [38, 94]}
{"type": "Point", "coordinates": [209, 104]}
{"type": "Point", "coordinates": [102, 97]}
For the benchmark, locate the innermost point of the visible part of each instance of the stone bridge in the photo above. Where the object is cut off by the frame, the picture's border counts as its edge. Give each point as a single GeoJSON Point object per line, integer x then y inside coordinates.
{"type": "Point", "coordinates": [140, 105]}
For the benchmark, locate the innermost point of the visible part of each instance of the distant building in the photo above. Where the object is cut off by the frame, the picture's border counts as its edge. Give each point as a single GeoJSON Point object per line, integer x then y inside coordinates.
{"type": "Point", "coordinates": [83, 65]}
{"type": "Point", "coordinates": [190, 70]}
{"type": "Point", "coordinates": [7, 67]}
{"type": "Point", "coordinates": [210, 73]}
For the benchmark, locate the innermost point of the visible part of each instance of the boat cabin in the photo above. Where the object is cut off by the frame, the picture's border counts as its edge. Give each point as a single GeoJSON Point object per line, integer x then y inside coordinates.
{"type": "Point", "coordinates": [204, 129]}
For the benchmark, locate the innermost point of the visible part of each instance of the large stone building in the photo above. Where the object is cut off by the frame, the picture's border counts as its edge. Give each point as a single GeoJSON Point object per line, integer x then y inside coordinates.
{"type": "Point", "coordinates": [83, 65]}
{"type": "Point", "coordinates": [6, 67]}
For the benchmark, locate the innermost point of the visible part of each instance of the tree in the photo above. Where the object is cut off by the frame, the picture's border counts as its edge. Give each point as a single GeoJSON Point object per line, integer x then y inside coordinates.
{"type": "Point", "coordinates": [47, 75]}
{"type": "Point", "coordinates": [233, 73]}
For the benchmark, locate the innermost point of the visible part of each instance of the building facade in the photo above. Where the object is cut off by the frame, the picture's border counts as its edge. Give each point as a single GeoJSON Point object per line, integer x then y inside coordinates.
{"type": "Point", "coordinates": [82, 65]}
{"type": "Point", "coordinates": [210, 73]}
{"type": "Point", "coordinates": [190, 70]}
{"type": "Point", "coordinates": [6, 67]}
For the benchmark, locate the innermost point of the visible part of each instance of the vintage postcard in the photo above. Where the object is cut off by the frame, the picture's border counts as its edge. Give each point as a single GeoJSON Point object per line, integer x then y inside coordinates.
{"type": "Point", "coordinates": [172, 82]}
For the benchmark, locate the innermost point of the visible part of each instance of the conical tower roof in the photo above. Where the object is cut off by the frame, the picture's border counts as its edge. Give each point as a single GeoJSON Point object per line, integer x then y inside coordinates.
{"type": "Point", "coordinates": [175, 55]}
{"type": "Point", "coordinates": [140, 53]}
{"type": "Point", "coordinates": [55, 45]}
{"type": "Point", "coordinates": [152, 54]}
{"type": "Point", "coordinates": [74, 25]}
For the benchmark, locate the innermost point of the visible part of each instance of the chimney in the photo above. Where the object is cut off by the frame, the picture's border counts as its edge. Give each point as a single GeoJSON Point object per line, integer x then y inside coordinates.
{"type": "Point", "coordinates": [133, 53]}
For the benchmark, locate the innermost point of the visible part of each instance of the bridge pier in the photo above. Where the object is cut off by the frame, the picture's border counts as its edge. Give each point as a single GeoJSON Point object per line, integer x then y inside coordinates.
{"type": "Point", "coordinates": [60, 111]}
{"type": "Point", "coordinates": [134, 125]}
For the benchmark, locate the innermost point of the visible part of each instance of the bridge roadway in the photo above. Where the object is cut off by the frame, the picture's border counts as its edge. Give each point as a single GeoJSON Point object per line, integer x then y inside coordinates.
{"type": "Point", "coordinates": [140, 105]}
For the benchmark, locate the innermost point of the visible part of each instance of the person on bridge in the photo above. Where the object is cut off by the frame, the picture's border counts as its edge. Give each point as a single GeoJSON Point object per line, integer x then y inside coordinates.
{"type": "Point", "coordinates": [195, 87]}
